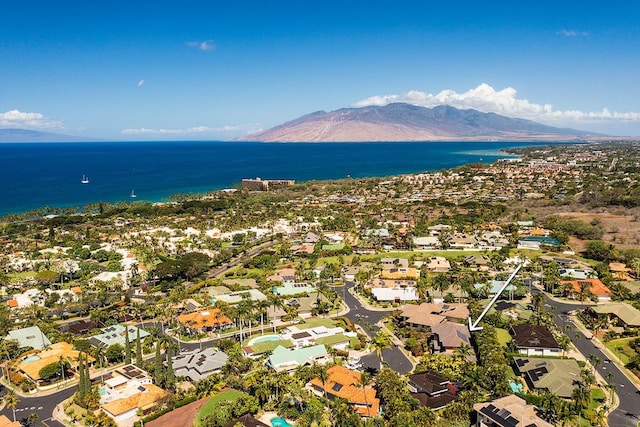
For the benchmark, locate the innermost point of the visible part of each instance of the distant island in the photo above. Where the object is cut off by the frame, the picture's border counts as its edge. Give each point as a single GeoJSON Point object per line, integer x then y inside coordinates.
{"type": "Point", "coordinates": [27, 135]}
{"type": "Point", "coordinates": [405, 122]}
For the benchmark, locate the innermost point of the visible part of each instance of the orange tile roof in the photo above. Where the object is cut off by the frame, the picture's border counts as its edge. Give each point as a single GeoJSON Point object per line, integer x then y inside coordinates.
{"type": "Point", "coordinates": [6, 422]}
{"type": "Point", "coordinates": [344, 383]}
{"type": "Point", "coordinates": [76, 290]}
{"type": "Point", "coordinates": [151, 395]}
{"type": "Point", "coordinates": [204, 319]}
{"type": "Point", "coordinates": [12, 303]}
{"type": "Point", "coordinates": [596, 287]}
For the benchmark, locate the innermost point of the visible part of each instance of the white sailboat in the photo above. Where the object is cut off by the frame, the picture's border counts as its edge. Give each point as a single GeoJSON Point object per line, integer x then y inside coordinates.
{"type": "Point", "coordinates": [85, 179]}
{"type": "Point", "coordinates": [133, 194]}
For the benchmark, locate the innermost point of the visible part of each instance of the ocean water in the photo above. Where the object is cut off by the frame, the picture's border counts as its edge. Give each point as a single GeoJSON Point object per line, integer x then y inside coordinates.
{"type": "Point", "coordinates": [34, 175]}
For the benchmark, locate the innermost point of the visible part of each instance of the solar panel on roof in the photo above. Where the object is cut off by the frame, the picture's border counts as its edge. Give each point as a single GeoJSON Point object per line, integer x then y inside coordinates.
{"type": "Point", "coordinates": [336, 387]}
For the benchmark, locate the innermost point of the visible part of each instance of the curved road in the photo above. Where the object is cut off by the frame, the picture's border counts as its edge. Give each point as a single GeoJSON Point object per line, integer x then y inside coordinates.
{"type": "Point", "coordinates": [627, 414]}
{"type": "Point", "coordinates": [367, 319]}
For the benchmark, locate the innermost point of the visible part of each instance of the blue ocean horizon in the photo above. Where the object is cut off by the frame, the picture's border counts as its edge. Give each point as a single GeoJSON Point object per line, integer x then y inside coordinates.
{"type": "Point", "coordinates": [37, 175]}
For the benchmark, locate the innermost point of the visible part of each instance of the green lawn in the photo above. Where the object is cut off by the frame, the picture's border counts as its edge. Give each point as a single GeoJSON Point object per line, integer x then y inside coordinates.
{"type": "Point", "coordinates": [503, 336]}
{"type": "Point", "coordinates": [597, 396]}
{"type": "Point", "coordinates": [314, 322]}
{"type": "Point", "coordinates": [211, 405]}
{"type": "Point", "coordinates": [621, 348]}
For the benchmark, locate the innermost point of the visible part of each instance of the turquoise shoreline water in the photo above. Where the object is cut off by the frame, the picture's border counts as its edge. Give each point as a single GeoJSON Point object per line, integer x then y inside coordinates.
{"type": "Point", "coordinates": [36, 175]}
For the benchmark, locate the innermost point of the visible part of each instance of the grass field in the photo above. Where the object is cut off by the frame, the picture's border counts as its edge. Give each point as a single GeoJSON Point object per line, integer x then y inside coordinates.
{"type": "Point", "coordinates": [620, 348]}
{"type": "Point", "coordinates": [503, 336]}
{"type": "Point", "coordinates": [211, 405]}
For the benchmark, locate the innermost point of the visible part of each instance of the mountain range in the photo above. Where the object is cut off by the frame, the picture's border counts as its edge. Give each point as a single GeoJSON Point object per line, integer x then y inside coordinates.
{"type": "Point", "coordinates": [405, 122]}
{"type": "Point", "coordinates": [26, 135]}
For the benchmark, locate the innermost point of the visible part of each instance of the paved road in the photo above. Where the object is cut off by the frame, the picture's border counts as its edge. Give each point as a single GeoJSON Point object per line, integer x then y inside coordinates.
{"type": "Point", "coordinates": [367, 319]}
{"type": "Point", "coordinates": [628, 411]}
{"type": "Point", "coordinates": [43, 406]}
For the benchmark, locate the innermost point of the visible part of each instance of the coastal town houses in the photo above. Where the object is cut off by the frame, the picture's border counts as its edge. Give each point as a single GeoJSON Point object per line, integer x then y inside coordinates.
{"type": "Point", "coordinates": [129, 392]}
{"type": "Point", "coordinates": [287, 360]}
{"type": "Point", "coordinates": [430, 314]}
{"type": "Point", "coordinates": [198, 363]}
{"type": "Point", "coordinates": [32, 365]}
{"type": "Point", "coordinates": [508, 411]}
{"type": "Point", "coordinates": [115, 334]}
{"type": "Point", "coordinates": [534, 340]}
{"type": "Point", "coordinates": [432, 390]}
{"type": "Point", "coordinates": [345, 384]}
{"type": "Point", "coordinates": [204, 321]}
{"type": "Point", "coordinates": [559, 376]}
{"type": "Point", "coordinates": [31, 336]}
{"type": "Point", "coordinates": [582, 288]}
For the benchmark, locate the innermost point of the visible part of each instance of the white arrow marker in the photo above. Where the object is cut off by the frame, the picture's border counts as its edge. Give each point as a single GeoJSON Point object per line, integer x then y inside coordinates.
{"type": "Point", "coordinates": [474, 326]}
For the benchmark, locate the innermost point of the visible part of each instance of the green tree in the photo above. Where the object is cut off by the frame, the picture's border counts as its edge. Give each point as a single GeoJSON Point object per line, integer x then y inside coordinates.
{"type": "Point", "coordinates": [114, 352]}
{"type": "Point", "coordinates": [11, 400]}
{"type": "Point", "coordinates": [138, 349]}
{"type": "Point", "coordinates": [381, 340]}
{"type": "Point", "coordinates": [127, 346]}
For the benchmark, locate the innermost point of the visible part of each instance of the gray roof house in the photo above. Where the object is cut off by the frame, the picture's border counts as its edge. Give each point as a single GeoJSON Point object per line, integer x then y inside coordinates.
{"type": "Point", "coordinates": [198, 364]}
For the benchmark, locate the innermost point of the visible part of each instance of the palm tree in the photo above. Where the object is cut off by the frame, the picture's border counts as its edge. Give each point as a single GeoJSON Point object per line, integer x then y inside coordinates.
{"type": "Point", "coordinates": [381, 341]}
{"type": "Point", "coordinates": [11, 400]}
{"type": "Point", "coordinates": [594, 360]}
{"type": "Point", "coordinates": [365, 377]}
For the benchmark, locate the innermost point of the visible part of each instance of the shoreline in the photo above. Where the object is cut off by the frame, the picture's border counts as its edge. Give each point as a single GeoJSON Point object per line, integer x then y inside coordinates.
{"type": "Point", "coordinates": [149, 190]}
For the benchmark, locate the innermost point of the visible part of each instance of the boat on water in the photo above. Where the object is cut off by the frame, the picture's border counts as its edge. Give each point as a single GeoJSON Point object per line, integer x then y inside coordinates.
{"type": "Point", "coordinates": [85, 179]}
{"type": "Point", "coordinates": [133, 194]}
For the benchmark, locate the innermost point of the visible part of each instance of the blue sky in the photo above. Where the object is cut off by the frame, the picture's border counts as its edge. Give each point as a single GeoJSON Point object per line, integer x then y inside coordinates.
{"type": "Point", "coordinates": [218, 69]}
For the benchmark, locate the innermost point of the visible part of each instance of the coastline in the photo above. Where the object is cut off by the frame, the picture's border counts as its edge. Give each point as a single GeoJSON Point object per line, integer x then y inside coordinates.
{"type": "Point", "coordinates": [51, 172]}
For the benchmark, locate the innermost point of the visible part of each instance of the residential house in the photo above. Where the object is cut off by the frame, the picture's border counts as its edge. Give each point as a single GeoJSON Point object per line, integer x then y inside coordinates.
{"type": "Point", "coordinates": [535, 340]}
{"type": "Point", "coordinates": [436, 230]}
{"type": "Point", "coordinates": [477, 262]}
{"type": "Point", "coordinates": [78, 327]}
{"type": "Point", "coordinates": [31, 336]}
{"type": "Point", "coordinates": [576, 273]}
{"type": "Point", "coordinates": [400, 273]}
{"type": "Point", "coordinates": [247, 420]}
{"type": "Point", "coordinates": [508, 411]}
{"type": "Point", "coordinates": [446, 337]}
{"type": "Point", "coordinates": [432, 390]}
{"type": "Point", "coordinates": [31, 365]}
{"type": "Point", "coordinates": [430, 314]}
{"type": "Point", "coordinates": [6, 422]}
{"type": "Point", "coordinates": [625, 315]}
{"type": "Point", "coordinates": [115, 334]}
{"type": "Point", "coordinates": [620, 271]}
{"type": "Point", "coordinates": [345, 384]}
{"type": "Point", "coordinates": [335, 337]}
{"type": "Point", "coordinates": [536, 242]}
{"type": "Point", "coordinates": [389, 263]}
{"type": "Point", "coordinates": [202, 321]}
{"type": "Point", "coordinates": [199, 363]}
{"type": "Point", "coordinates": [559, 376]}
{"type": "Point", "coordinates": [238, 296]}
{"type": "Point", "coordinates": [438, 264]}
{"type": "Point", "coordinates": [287, 360]}
{"type": "Point", "coordinates": [463, 241]}
{"type": "Point", "coordinates": [283, 275]}
{"type": "Point", "coordinates": [292, 288]}
{"type": "Point", "coordinates": [128, 392]}
{"type": "Point", "coordinates": [426, 243]}
{"type": "Point", "coordinates": [399, 295]}
{"type": "Point", "coordinates": [591, 285]}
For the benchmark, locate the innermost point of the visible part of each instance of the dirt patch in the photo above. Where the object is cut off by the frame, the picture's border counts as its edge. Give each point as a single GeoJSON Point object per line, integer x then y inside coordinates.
{"type": "Point", "coordinates": [184, 416]}
{"type": "Point", "coordinates": [621, 230]}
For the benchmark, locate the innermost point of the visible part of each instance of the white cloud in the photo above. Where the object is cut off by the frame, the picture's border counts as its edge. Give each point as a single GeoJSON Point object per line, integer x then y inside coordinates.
{"type": "Point", "coordinates": [205, 45]}
{"type": "Point", "coordinates": [193, 131]}
{"type": "Point", "coordinates": [505, 102]}
{"type": "Point", "coordinates": [572, 33]}
{"type": "Point", "coordinates": [141, 83]}
{"type": "Point", "coordinates": [19, 119]}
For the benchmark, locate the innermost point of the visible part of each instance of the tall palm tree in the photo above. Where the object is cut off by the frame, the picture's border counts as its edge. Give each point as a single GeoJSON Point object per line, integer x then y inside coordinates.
{"type": "Point", "coordinates": [381, 340]}
{"type": "Point", "coordinates": [365, 377]}
{"type": "Point", "coordinates": [11, 400]}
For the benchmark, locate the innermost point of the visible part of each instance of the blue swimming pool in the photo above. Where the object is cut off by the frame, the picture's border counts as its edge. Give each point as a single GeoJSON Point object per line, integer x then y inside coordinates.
{"type": "Point", "coordinates": [279, 422]}
{"type": "Point", "coordinates": [516, 387]}
{"type": "Point", "coordinates": [31, 359]}
{"type": "Point", "coordinates": [264, 338]}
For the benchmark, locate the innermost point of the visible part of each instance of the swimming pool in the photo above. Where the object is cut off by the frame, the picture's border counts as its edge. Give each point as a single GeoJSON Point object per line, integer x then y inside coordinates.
{"type": "Point", "coordinates": [31, 359]}
{"type": "Point", "coordinates": [264, 338]}
{"type": "Point", "coordinates": [516, 387]}
{"type": "Point", "coordinates": [279, 422]}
